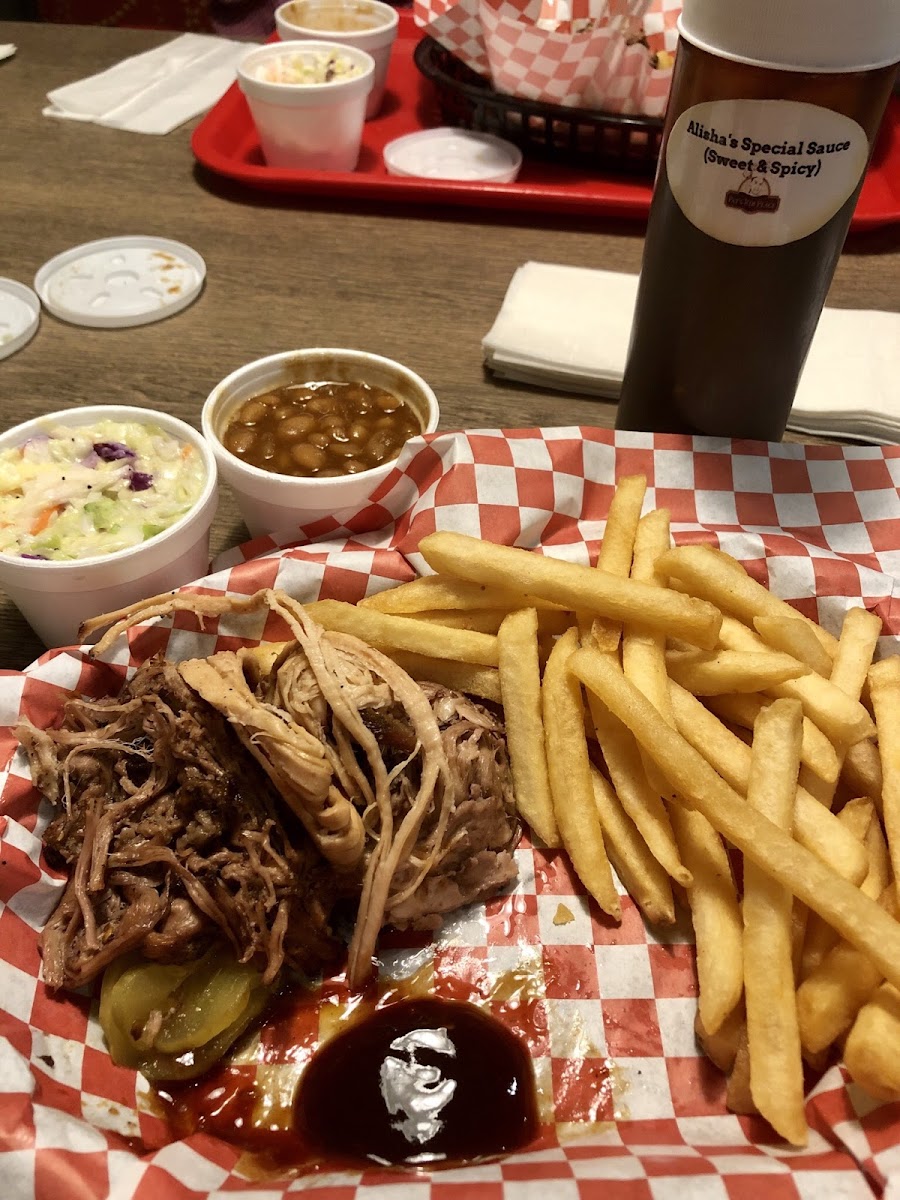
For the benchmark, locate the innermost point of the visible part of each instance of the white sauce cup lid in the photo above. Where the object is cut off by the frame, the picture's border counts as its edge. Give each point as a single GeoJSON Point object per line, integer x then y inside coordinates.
{"type": "Point", "coordinates": [122, 281]}
{"type": "Point", "coordinates": [20, 315]}
{"type": "Point", "coordinates": [447, 153]}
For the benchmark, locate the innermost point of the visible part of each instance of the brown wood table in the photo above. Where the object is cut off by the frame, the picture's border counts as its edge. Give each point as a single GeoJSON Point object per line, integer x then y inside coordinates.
{"type": "Point", "coordinates": [417, 284]}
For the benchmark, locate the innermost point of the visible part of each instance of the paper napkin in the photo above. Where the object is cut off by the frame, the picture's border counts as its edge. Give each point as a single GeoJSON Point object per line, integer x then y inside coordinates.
{"type": "Point", "coordinates": [156, 91]}
{"type": "Point", "coordinates": [568, 328]}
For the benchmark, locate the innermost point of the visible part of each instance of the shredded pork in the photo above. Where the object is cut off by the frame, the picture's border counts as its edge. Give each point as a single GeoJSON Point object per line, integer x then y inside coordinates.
{"type": "Point", "coordinates": [403, 789]}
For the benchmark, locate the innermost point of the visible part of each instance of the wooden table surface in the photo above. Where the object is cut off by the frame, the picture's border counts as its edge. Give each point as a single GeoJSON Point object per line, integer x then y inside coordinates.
{"type": "Point", "coordinates": [417, 284]}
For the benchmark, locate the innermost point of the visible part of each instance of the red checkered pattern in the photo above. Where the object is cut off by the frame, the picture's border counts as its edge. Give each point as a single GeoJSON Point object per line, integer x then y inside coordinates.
{"type": "Point", "coordinates": [571, 52]}
{"type": "Point", "coordinates": [632, 1111]}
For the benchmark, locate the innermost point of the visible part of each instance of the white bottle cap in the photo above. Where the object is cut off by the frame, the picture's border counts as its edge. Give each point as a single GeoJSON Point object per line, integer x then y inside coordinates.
{"type": "Point", "coordinates": [797, 35]}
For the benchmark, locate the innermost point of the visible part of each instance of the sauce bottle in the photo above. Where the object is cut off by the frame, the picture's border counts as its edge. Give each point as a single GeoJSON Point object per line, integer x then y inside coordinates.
{"type": "Point", "coordinates": [773, 112]}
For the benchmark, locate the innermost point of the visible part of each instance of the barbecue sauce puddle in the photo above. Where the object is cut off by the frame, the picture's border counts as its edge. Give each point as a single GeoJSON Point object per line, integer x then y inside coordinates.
{"type": "Point", "coordinates": [403, 1082]}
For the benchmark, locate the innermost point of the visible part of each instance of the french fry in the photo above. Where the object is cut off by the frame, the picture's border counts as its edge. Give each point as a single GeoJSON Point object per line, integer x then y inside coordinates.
{"type": "Point", "coordinates": [857, 918]}
{"type": "Point", "coordinates": [857, 815]}
{"type": "Point", "coordinates": [861, 773]}
{"type": "Point", "coordinates": [616, 552]}
{"type": "Point", "coordinates": [643, 650]}
{"type": "Point", "coordinates": [738, 1094]}
{"type": "Point", "coordinates": [884, 686]}
{"type": "Point", "coordinates": [570, 777]}
{"type": "Point", "coordinates": [639, 800]}
{"type": "Point", "coordinates": [573, 586]}
{"type": "Point", "coordinates": [721, 1047]}
{"type": "Point", "coordinates": [730, 671]}
{"type": "Point", "coordinates": [838, 715]}
{"type": "Point", "coordinates": [816, 751]}
{"type": "Point", "coordinates": [829, 999]}
{"type": "Point", "coordinates": [859, 638]}
{"type": "Point", "coordinates": [460, 676]}
{"type": "Point", "coordinates": [645, 880]}
{"type": "Point", "coordinates": [712, 895]}
{"type": "Point", "coordinates": [794, 637]}
{"type": "Point", "coordinates": [479, 620]}
{"type": "Point", "coordinates": [388, 632]}
{"type": "Point", "coordinates": [776, 1065]}
{"type": "Point", "coordinates": [552, 621]}
{"type": "Point", "coordinates": [431, 592]}
{"type": "Point", "coordinates": [520, 682]}
{"type": "Point", "coordinates": [715, 913]}
{"type": "Point", "coordinates": [719, 578]}
{"type": "Point", "coordinates": [872, 1050]}
{"type": "Point", "coordinates": [814, 826]}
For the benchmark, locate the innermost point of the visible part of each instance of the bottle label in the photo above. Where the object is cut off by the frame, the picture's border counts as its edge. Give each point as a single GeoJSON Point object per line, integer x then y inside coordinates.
{"type": "Point", "coordinates": [763, 172]}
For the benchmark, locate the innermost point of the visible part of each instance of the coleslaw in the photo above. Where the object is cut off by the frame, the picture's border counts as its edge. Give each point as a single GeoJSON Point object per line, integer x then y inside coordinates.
{"type": "Point", "coordinates": [76, 492]}
{"type": "Point", "coordinates": [319, 66]}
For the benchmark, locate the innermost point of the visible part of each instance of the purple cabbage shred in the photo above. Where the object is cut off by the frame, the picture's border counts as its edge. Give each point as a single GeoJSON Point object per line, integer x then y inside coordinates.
{"type": "Point", "coordinates": [41, 556]}
{"type": "Point", "coordinates": [112, 451]}
{"type": "Point", "coordinates": [140, 481]}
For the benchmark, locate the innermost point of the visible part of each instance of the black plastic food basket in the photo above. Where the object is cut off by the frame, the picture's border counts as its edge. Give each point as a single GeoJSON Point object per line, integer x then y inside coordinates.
{"type": "Point", "coordinates": [571, 136]}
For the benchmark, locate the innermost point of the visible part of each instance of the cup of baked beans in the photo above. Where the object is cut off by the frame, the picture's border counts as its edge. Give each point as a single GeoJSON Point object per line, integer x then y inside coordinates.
{"type": "Point", "coordinates": [314, 433]}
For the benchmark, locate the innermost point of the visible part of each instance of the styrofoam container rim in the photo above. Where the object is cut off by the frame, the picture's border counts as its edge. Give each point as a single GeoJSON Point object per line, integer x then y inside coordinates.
{"type": "Point", "coordinates": [387, 26]}
{"type": "Point", "coordinates": [450, 153]}
{"type": "Point", "coordinates": [86, 415]}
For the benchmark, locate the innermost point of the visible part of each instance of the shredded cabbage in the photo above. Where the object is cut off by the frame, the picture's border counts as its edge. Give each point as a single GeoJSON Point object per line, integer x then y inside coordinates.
{"type": "Point", "coordinates": [318, 67]}
{"type": "Point", "coordinates": [77, 492]}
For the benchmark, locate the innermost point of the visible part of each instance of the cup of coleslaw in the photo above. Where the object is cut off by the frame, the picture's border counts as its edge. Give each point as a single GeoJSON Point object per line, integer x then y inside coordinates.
{"type": "Point", "coordinates": [308, 102]}
{"type": "Point", "coordinates": [101, 506]}
{"type": "Point", "coordinates": [370, 25]}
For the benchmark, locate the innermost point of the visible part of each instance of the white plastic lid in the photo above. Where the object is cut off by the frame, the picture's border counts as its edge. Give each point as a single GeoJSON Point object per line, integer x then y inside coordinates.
{"type": "Point", "coordinates": [121, 281]}
{"type": "Point", "coordinates": [797, 35]}
{"type": "Point", "coordinates": [20, 315]}
{"type": "Point", "coordinates": [448, 153]}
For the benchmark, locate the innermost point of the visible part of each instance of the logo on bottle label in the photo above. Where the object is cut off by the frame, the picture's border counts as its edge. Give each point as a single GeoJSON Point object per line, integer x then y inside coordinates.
{"type": "Point", "coordinates": [763, 172]}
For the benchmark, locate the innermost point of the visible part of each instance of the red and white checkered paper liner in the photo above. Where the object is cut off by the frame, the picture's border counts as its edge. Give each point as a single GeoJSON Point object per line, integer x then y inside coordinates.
{"type": "Point", "coordinates": [578, 53]}
{"type": "Point", "coordinates": [614, 1004]}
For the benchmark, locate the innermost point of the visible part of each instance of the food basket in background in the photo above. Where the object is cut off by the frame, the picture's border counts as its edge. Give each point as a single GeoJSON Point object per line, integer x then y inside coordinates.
{"type": "Point", "coordinates": [578, 82]}
{"type": "Point", "coordinates": [569, 136]}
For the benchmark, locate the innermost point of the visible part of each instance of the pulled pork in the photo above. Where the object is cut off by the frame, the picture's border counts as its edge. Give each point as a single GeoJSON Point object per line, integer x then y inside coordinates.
{"type": "Point", "coordinates": [386, 789]}
{"type": "Point", "coordinates": [173, 838]}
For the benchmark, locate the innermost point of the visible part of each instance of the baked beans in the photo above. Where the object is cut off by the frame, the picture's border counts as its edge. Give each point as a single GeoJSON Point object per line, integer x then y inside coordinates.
{"type": "Point", "coordinates": [321, 429]}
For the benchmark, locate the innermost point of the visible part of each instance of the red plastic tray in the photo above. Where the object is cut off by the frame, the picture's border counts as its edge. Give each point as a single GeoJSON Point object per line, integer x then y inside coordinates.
{"type": "Point", "coordinates": [225, 141]}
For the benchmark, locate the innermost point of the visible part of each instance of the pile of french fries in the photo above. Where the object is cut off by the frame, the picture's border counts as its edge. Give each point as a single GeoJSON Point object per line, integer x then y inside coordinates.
{"type": "Point", "coordinates": [661, 709]}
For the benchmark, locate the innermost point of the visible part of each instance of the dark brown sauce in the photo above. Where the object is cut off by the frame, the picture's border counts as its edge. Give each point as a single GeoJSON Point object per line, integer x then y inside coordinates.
{"type": "Point", "coordinates": [418, 1083]}
{"type": "Point", "coordinates": [337, 1119]}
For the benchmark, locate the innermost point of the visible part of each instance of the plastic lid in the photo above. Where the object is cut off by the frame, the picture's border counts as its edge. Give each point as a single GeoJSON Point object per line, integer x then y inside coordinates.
{"type": "Point", "coordinates": [20, 315]}
{"type": "Point", "coordinates": [799, 35]}
{"type": "Point", "coordinates": [453, 154]}
{"type": "Point", "coordinates": [121, 281]}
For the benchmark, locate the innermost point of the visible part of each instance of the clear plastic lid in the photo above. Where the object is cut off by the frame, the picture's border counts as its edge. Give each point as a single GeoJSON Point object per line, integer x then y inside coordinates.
{"type": "Point", "coordinates": [447, 153]}
{"type": "Point", "coordinates": [20, 315]}
{"type": "Point", "coordinates": [121, 281]}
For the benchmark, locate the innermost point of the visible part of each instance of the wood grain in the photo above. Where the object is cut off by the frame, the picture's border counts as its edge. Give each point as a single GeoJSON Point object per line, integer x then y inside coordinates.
{"type": "Point", "coordinates": [417, 284]}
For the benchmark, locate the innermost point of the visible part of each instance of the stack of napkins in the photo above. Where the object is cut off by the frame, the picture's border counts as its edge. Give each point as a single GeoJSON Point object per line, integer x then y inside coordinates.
{"type": "Point", "coordinates": [156, 91]}
{"type": "Point", "coordinates": [568, 328]}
